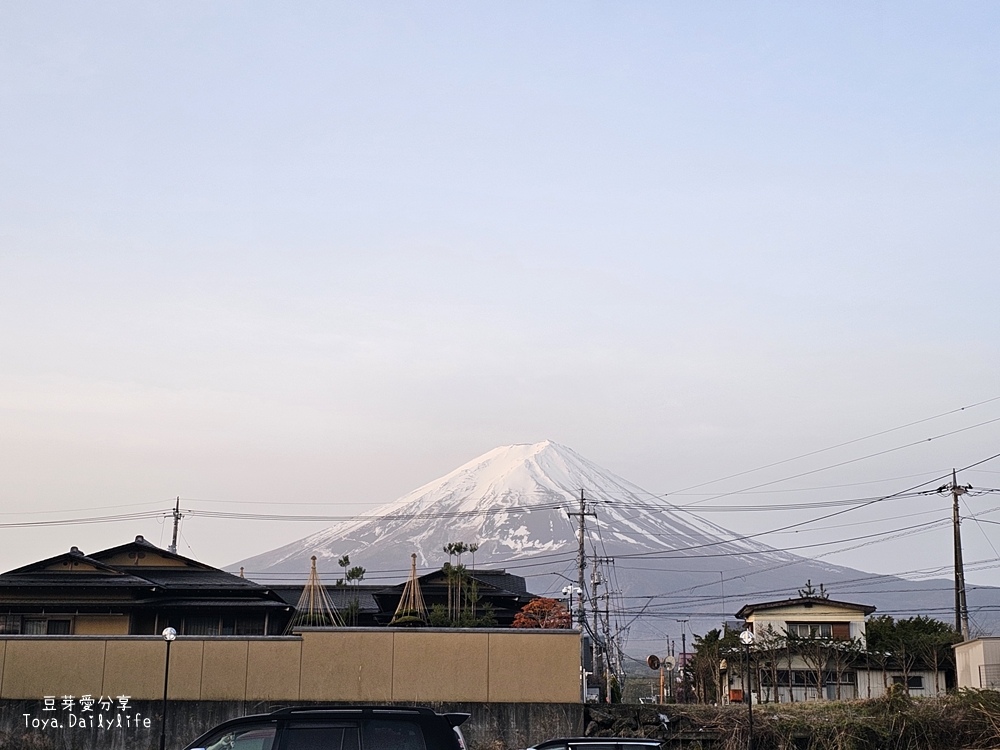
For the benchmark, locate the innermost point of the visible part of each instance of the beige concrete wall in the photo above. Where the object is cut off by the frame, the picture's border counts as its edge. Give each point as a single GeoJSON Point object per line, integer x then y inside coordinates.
{"type": "Point", "coordinates": [224, 669]}
{"type": "Point", "coordinates": [537, 670]}
{"type": "Point", "coordinates": [461, 666]}
{"type": "Point", "coordinates": [372, 665]}
{"type": "Point", "coordinates": [65, 666]}
{"type": "Point", "coordinates": [356, 666]}
{"type": "Point", "coordinates": [187, 672]}
{"type": "Point", "coordinates": [273, 670]}
{"type": "Point", "coordinates": [133, 664]}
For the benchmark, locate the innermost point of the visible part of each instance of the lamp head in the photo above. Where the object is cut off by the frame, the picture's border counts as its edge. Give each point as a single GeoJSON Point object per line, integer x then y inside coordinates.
{"type": "Point", "coordinates": [169, 634]}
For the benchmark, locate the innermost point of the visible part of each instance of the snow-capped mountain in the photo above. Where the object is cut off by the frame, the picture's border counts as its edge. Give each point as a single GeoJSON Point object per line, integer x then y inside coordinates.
{"type": "Point", "coordinates": [669, 566]}
{"type": "Point", "coordinates": [514, 502]}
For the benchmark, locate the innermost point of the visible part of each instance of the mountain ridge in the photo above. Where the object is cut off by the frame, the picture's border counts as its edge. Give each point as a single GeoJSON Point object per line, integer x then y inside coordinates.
{"type": "Point", "coordinates": [528, 480]}
{"type": "Point", "coordinates": [670, 566]}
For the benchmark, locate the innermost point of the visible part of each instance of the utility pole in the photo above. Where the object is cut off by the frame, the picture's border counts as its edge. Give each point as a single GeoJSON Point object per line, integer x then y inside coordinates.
{"type": "Point", "coordinates": [683, 667]}
{"type": "Point", "coordinates": [672, 648]}
{"type": "Point", "coordinates": [581, 581]}
{"type": "Point", "coordinates": [608, 643]}
{"type": "Point", "coordinates": [961, 606]}
{"type": "Point", "coordinates": [596, 646]}
{"type": "Point", "coordinates": [595, 649]}
{"type": "Point", "coordinates": [177, 522]}
{"type": "Point", "coordinates": [681, 662]}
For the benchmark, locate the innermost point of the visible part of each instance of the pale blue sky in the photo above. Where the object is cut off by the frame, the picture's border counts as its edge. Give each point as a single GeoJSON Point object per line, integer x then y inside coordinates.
{"type": "Point", "coordinates": [326, 252]}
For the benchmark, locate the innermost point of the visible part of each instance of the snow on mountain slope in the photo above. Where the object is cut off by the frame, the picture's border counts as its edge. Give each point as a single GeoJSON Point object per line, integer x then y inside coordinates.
{"type": "Point", "coordinates": [514, 502]}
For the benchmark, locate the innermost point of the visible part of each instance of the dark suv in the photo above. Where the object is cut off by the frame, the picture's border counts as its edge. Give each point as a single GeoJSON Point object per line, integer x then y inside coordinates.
{"type": "Point", "coordinates": [347, 728]}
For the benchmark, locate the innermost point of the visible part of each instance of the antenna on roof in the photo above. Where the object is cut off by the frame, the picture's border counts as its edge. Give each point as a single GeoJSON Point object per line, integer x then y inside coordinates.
{"type": "Point", "coordinates": [177, 522]}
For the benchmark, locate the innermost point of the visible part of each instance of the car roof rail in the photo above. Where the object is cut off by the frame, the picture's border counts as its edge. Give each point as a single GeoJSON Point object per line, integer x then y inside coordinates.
{"type": "Point", "coordinates": [368, 709]}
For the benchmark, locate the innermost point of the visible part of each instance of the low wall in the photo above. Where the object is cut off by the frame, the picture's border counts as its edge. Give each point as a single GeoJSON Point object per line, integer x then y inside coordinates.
{"type": "Point", "coordinates": [28, 724]}
{"type": "Point", "coordinates": [382, 665]}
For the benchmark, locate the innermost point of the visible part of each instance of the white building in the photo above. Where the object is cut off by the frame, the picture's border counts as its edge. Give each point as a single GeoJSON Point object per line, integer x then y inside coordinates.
{"type": "Point", "coordinates": [977, 663]}
{"type": "Point", "coordinates": [814, 648]}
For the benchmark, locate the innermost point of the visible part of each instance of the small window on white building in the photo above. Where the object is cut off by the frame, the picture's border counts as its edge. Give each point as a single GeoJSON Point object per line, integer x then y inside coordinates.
{"type": "Point", "coordinates": [810, 629]}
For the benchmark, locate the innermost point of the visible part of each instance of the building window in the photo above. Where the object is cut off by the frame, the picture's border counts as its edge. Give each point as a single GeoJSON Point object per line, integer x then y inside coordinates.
{"type": "Point", "coordinates": [10, 624]}
{"type": "Point", "coordinates": [33, 626]}
{"type": "Point", "coordinates": [913, 682]}
{"type": "Point", "coordinates": [250, 626]}
{"type": "Point", "coordinates": [243, 626]}
{"type": "Point", "coordinates": [201, 626]}
{"type": "Point", "coordinates": [840, 631]}
{"type": "Point", "coordinates": [810, 629]}
{"type": "Point", "coordinates": [16, 624]}
{"type": "Point", "coordinates": [57, 627]}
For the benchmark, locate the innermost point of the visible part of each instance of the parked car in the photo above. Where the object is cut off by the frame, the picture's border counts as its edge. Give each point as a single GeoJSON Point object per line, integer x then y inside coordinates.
{"type": "Point", "coordinates": [599, 743]}
{"type": "Point", "coordinates": [336, 728]}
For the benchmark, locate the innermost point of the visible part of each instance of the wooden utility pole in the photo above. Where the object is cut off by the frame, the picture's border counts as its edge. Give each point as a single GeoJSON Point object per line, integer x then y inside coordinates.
{"type": "Point", "coordinates": [961, 606]}
{"type": "Point", "coordinates": [177, 522]}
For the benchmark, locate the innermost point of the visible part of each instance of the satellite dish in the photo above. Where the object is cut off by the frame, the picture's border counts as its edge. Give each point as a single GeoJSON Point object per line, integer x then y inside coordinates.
{"type": "Point", "coordinates": [653, 661]}
{"type": "Point", "coordinates": [670, 662]}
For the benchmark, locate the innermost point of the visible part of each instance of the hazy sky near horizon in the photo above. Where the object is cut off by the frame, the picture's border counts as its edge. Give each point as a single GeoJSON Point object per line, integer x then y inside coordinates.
{"type": "Point", "coordinates": [304, 257]}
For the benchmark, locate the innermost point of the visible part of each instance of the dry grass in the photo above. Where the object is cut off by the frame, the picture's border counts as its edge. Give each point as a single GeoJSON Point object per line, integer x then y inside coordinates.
{"type": "Point", "coordinates": [969, 720]}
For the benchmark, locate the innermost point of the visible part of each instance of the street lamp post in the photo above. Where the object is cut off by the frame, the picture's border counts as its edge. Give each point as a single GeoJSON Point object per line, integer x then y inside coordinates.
{"type": "Point", "coordinates": [747, 638]}
{"type": "Point", "coordinates": [169, 634]}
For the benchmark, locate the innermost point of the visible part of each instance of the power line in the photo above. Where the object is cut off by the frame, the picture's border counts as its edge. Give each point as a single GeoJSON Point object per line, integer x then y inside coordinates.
{"type": "Point", "coordinates": [841, 445]}
{"type": "Point", "coordinates": [851, 461]}
{"type": "Point", "coordinates": [85, 520]}
{"type": "Point", "coordinates": [748, 537]}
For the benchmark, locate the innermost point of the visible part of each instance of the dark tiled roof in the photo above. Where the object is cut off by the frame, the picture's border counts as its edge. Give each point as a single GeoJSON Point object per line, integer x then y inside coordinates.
{"type": "Point", "coordinates": [210, 603]}
{"type": "Point", "coordinates": [501, 580]}
{"type": "Point", "coordinates": [73, 556]}
{"type": "Point", "coordinates": [803, 601]}
{"type": "Point", "coordinates": [188, 578]}
{"type": "Point", "coordinates": [60, 579]}
{"type": "Point", "coordinates": [167, 578]}
{"type": "Point", "coordinates": [341, 596]}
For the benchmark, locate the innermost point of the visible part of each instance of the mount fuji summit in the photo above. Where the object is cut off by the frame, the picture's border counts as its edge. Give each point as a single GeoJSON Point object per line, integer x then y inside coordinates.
{"type": "Point", "coordinates": [521, 503]}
